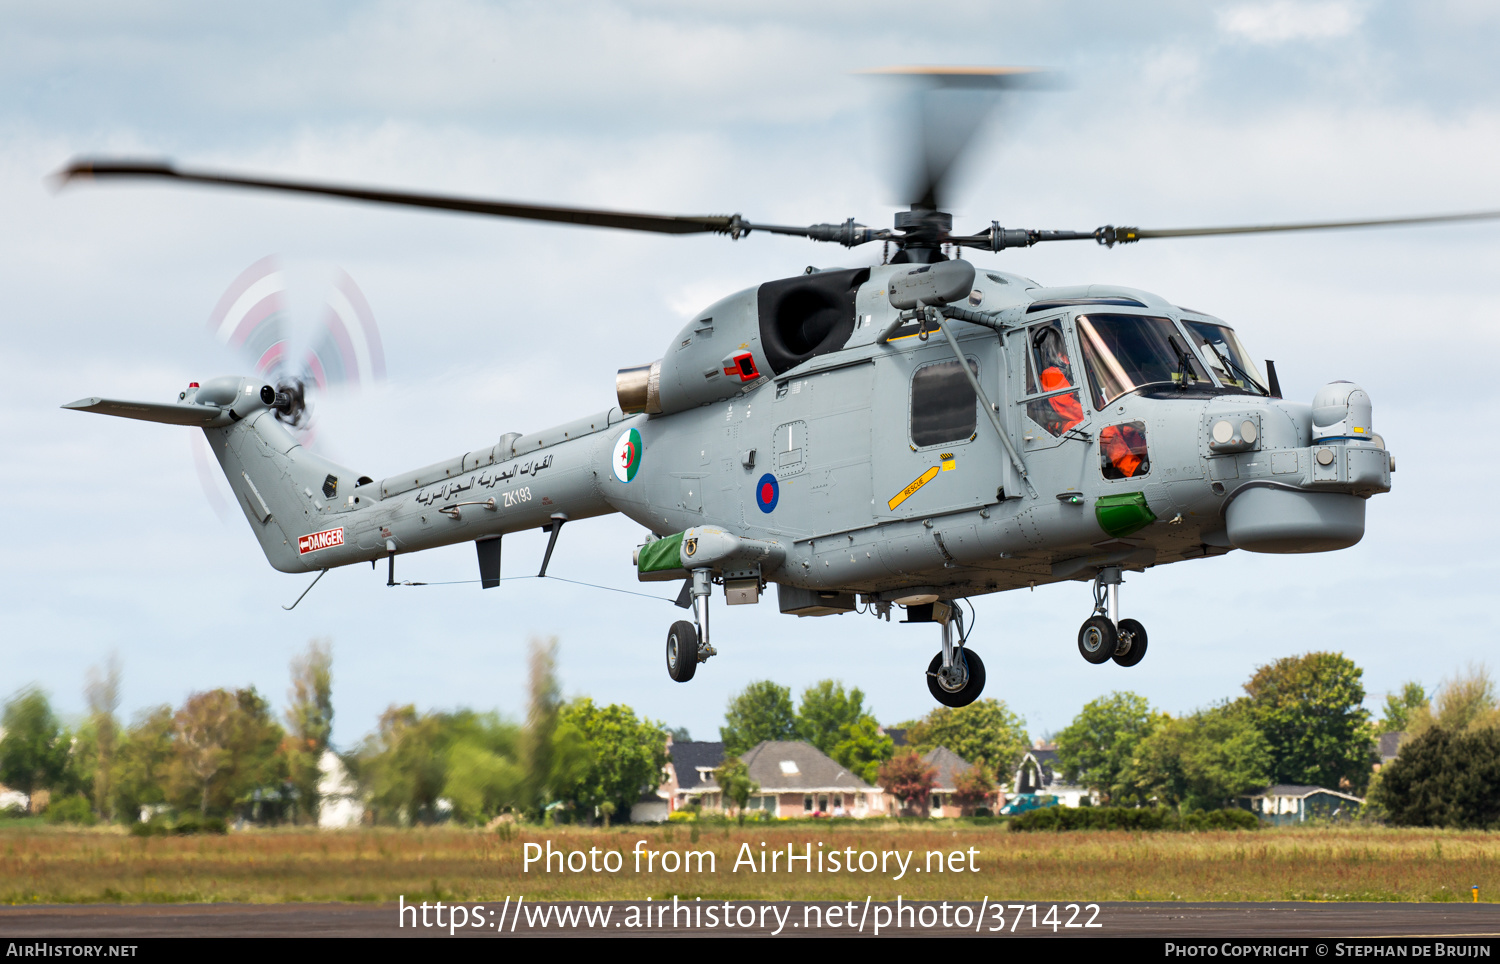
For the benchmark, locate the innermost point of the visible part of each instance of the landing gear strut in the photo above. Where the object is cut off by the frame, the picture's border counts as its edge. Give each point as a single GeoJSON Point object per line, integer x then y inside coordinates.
{"type": "Point", "coordinates": [687, 642]}
{"type": "Point", "coordinates": [955, 677]}
{"type": "Point", "coordinates": [1104, 636]}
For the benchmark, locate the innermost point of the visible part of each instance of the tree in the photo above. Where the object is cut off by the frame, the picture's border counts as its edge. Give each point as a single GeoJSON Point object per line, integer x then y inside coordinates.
{"type": "Point", "coordinates": [143, 762]}
{"type": "Point", "coordinates": [225, 746]}
{"type": "Point", "coordinates": [972, 788]}
{"type": "Point", "coordinates": [626, 755]}
{"type": "Point", "coordinates": [762, 711]}
{"type": "Point", "coordinates": [102, 691]}
{"type": "Point", "coordinates": [483, 772]}
{"type": "Point", "coordinates": [862, 748]}
{"type": "Point", "coordinates": [1310, 709]}
{"type": "Point", "coordinates": [1444, 778]}
{"type": "Point", "coordinates": [733, 778]}
{"type": "Point", "coordinates": [1095, 750]}
{"type": "Point", "coordinates": [34, 750]}
{"type": "Point", "coordinates": [1400, 706]}
{"type": "Point", "coordinates": [309, 720]}
{"type": "Point", "coordinates": [1465, 702]}
{"type": "Point", "coordinates": [202, 743]}
{"type": "Point", "coordinates": [825, 710]}
{"type": "Point", "coordinates": [985, 731]}
{"type": "Point", "coordinates": [402, 765]}
{"type": "Point", "coordinates": [1202, 761]}
{"type": "Point", "coordinates": [908, 778]}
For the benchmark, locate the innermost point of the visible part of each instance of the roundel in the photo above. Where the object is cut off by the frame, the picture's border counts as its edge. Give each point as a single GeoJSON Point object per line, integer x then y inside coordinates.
{"type": "Point", "coordinates": [767, 491]}
{"type": "Point", "coordinates": [627, 455]}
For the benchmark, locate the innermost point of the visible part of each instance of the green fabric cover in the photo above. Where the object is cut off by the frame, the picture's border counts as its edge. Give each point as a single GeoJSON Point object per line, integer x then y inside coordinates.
{"type": "Point", "coordinates": [1120, 515]}
{"type": "Point", "coordinates": [661, 555]}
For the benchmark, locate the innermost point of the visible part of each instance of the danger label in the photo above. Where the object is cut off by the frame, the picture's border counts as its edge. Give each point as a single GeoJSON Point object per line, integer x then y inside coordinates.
{"type": "Point", "coordinates": [320, 540]}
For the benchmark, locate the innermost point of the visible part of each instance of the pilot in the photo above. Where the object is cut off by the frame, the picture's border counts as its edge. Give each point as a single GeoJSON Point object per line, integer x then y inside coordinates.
{"type": "Point", "coordinates": [1052, 358]}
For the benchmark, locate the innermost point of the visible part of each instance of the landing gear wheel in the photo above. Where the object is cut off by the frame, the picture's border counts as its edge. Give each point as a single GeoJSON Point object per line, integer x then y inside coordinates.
{"type": "Point", "coordinates": [972, 686]}
{"type": "Point", "coordinates": [682, 651]}
{"type": "Point", "coordinates": [1132, 645]}
{"type": "Point", "coordinates": [1097, 640]}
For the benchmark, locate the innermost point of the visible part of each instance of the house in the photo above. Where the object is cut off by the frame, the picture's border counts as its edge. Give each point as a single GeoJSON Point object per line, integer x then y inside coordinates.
{"type": "Point", "coordinates": [340, 804]}
{"type": "Point", "coordinates": [796, 779]}
{"type": "Point", "coordinates": [1039, 772]}
{"type": "Point", "coordinates": [1289, 804]}
{"type": "Point", "coordinates": [12, 799]}
{"type": "Point", "coordinates": [1388, 746]}
{"type": "Point", "coordinates": [689, 771]}
{"type": "Point", "coordinates": [949, 765]}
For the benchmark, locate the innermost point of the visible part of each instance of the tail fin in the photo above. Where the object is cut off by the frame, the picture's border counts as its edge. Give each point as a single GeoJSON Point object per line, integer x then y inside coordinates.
{"type": "Point", "coordinates": [273, 477]}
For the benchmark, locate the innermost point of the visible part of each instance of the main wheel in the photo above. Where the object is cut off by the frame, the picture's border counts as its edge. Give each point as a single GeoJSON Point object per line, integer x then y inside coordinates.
{"type": "Point", "coordinates": [1132, 645]}
{"type": "Point", "coordinates": [972, 687]}
{"type": "Point", "coordinates": [1097, 640]}
{"type": "Point", "coordinates": [682, 651]}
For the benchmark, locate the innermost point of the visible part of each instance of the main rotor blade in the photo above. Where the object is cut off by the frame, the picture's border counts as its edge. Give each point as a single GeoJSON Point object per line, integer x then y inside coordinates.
{"type": "Point", "coordinates": [998, 238]}
{"type": "Point", "coordinates": [1141, 233]}
{"type": "Point", "coordinates": [101, 168]}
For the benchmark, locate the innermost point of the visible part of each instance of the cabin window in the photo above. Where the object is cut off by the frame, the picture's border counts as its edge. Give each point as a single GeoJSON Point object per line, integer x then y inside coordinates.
{"type": "Point", "coordinates": [1122, 451]}
{"type": "Point", "coordinates": [944, 408]}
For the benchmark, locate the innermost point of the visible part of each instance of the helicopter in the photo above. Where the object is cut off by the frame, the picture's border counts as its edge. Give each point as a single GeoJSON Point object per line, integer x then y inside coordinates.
{"type": "Point", "coordinates": [903, 435]}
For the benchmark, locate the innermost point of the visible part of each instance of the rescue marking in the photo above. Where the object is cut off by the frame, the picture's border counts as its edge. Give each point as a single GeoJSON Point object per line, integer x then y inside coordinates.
{"type": "Point", "coordinates": [916, 484]}
{"type": "Point", "coordinates": [627, 456]}
{"type": "Point", "coordinates": [326, 539]}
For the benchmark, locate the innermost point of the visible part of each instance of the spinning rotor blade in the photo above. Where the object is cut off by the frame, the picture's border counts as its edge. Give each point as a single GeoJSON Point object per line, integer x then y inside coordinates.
{"type": "Point", "coordinates": [947, 107]}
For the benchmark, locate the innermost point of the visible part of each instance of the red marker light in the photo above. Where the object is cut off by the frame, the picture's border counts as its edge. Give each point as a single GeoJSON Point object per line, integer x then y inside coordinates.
{"type": "Point", "coordinates": [192, 384]}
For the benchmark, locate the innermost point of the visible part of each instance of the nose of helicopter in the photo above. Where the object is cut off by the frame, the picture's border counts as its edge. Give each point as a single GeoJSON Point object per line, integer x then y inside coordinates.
{"type": "Point", "coordinates": [1294, 477]}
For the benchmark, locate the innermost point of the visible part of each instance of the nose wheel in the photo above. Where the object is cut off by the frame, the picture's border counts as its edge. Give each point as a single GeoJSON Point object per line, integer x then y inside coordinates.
{"type": "Point", "coordinates": [1103, 636]}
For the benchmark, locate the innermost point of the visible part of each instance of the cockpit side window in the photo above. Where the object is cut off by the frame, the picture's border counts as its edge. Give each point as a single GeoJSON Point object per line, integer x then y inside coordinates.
{"type": "Point", "coordinates": [1125, 352]}
{"type": "Point", "coordinates": [1049, 356]}
{"type": "Point", "coordinates": [1050, 369]}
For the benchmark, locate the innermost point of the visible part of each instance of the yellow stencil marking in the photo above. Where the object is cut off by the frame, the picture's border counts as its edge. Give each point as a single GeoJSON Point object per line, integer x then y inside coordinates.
{"type": "Point", "coordinates": [906, 493]}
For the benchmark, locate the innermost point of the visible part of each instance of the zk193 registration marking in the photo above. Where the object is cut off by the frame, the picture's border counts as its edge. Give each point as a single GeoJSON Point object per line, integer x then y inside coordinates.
{"type": "Point", "coordinates": [516, 496]}
{"type": "Point", "coordinates": [326, 539]}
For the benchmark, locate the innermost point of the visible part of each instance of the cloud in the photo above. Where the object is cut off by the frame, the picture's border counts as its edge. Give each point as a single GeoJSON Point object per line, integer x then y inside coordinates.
{"type": "Point", "coordinates": [1286, 20]}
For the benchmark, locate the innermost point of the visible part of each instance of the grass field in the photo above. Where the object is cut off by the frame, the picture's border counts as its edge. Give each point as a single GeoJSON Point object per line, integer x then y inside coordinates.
{"type": "Point", "coordinates": [56, 865]}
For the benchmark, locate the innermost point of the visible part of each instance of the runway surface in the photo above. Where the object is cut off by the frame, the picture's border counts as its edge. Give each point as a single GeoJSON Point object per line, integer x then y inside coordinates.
{"type": "Point", "coordinates": [1154, 920]}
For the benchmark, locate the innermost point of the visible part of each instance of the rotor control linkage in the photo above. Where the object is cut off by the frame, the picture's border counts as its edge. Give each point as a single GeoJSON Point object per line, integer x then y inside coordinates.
{"type": "Point", "coordinates": [554, 527]}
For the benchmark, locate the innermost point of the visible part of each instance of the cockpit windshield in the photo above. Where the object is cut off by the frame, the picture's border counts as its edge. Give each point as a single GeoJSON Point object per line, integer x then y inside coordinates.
{"type": "Point", "coordinates": [1227, 357]}
{"type": "Point", "coordinates": [1125, 352]}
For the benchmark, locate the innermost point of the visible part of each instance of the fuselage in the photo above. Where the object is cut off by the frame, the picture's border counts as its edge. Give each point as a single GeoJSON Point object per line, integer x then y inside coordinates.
{"type": "Point", "coordinates": [1139, 434]}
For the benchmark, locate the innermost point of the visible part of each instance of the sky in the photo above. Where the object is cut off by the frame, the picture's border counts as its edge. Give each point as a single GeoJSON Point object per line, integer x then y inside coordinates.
{"type": "Point", "coordinates": [1170, 114]}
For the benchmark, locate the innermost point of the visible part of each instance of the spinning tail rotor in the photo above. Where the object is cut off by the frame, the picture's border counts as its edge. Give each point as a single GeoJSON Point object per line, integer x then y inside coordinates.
{"type": "Point", "coordinates": [340, 349]}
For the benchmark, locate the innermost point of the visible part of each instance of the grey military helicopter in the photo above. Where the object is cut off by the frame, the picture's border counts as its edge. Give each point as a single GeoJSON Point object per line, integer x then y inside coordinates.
{"type": "Point", "coordinates": [909, 434]}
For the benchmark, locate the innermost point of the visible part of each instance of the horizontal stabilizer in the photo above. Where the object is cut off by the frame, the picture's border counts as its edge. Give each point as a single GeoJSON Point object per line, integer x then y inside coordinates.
{"type": "Point", "coordinates": [171, 414]}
